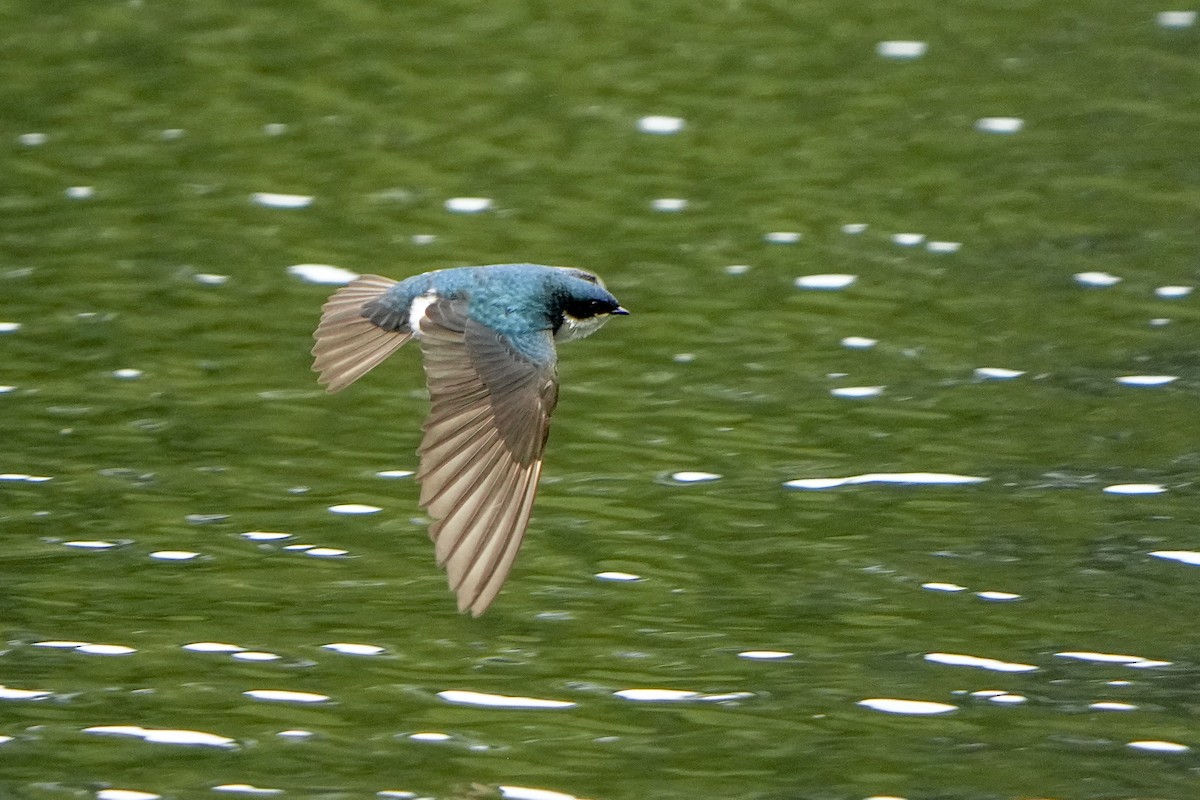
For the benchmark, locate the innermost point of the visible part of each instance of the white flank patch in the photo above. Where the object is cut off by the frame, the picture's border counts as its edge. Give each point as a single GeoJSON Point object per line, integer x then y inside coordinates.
{"type": "Point", "coordinates": [416, 311]}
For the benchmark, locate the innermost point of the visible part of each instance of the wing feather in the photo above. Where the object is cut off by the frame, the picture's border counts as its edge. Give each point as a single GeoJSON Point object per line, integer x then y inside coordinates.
{"type": "Point", "coordinates": [481, 452]}
{"type": "Point", "coordinates": [494, 579]}
{"type": "Point", "coordinates": [462, 475]}
{"type": "Point", "coordinates": [349, 342]}
{"type": "Point", "coordinates": [467, 530]}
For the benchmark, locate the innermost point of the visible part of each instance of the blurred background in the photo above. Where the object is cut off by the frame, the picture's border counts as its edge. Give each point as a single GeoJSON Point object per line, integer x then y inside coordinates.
{"type": "Point", "coordinates": [886, 489]}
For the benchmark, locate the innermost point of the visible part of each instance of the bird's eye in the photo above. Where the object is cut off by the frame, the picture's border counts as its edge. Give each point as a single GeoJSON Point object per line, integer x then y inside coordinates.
{"type": "Point", "coordinates": [586, 309]}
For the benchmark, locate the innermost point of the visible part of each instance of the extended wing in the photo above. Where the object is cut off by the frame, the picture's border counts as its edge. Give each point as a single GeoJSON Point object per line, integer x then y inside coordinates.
{"type": "Point", "coordinates": [481, 453]}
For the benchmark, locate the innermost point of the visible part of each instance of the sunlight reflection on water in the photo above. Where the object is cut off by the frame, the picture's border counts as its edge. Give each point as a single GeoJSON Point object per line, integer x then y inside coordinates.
{"type": "Point", "coordinates": [736, 542]}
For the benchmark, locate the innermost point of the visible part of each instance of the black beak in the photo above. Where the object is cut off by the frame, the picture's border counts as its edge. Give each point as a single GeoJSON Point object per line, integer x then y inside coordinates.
{"type": "Point", "coordinates": [619, 310]}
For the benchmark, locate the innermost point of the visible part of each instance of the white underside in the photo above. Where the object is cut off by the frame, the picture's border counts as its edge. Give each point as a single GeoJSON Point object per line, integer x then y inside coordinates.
{"type": "Point", "coordinates": [575, 328]}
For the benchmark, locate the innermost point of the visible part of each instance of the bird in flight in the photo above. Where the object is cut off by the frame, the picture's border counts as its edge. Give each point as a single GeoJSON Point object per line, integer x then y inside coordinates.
{"type": "Point", "coordinates": [487, 337]}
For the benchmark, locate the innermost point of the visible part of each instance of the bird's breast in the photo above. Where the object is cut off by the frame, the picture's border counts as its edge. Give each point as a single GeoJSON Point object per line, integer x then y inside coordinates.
{"type": "Point", "coordinates": [576, 328]}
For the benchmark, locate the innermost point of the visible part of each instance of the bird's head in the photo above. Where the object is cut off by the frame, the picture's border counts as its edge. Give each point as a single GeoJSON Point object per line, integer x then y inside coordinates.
{"type": "Point", "coordinates": [580, 305]}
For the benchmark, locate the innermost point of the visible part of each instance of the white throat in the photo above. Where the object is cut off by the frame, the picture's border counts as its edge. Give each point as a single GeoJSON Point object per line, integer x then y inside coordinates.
{"type": "Point", "coordinates": [576, 328]}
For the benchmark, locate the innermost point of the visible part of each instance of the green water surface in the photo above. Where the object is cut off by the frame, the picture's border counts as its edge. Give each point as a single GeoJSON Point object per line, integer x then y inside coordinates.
{"type": "Point", "coordinates": [156, 373]}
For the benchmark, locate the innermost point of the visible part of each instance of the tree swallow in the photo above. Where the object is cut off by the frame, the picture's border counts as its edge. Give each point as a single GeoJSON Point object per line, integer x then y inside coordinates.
{"type": "Point", "coordinates": [487, 335]}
